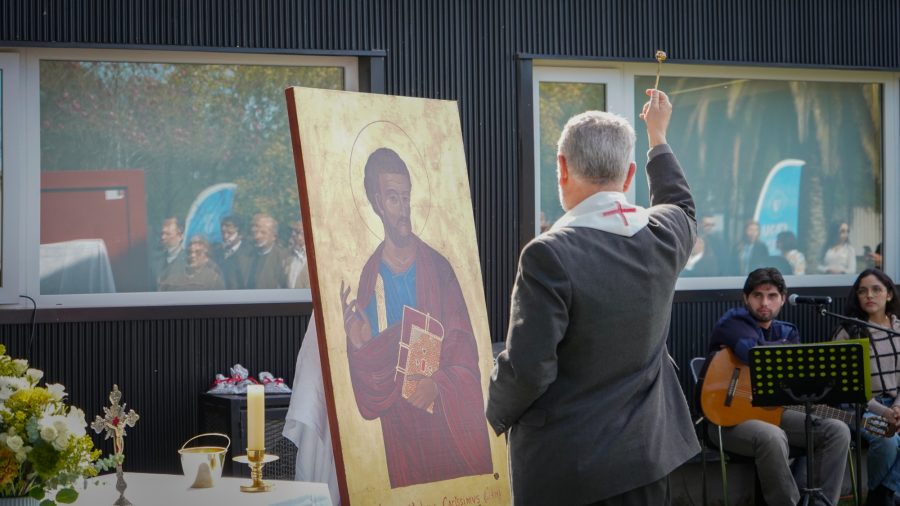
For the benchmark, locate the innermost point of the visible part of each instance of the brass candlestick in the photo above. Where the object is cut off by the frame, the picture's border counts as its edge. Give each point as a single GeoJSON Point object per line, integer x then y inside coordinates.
{"type": "Point", "coordinates": [256, 459]}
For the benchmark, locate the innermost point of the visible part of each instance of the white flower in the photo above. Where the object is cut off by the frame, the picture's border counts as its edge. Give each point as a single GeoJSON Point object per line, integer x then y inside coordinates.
{"type": "Point", "coordinates": [75, 422]}
{"type": "Point", "coordinates": [34, 375]}
{"type": "Point", "coordinates": [10, 385]}
{"type": "Point", "coordinates": [61, 442]}
{"type": "Point", "coordinates": [48, 433]}
{"type": "Point", "coordinates": [53, 428]}
{"type": "Point", "coordinates": [15, 443]}
{"type": "Point", "coordinates": [21, 365]}
{"type": "Point", "coordinates": [57, 391]}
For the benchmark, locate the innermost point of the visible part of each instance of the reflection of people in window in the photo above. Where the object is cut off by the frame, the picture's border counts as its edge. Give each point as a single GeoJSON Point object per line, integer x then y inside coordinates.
{"type": "Point", "coordinates": [200, 273]}
{"type": "Point", "coordinates": [702, 261]}
{"type": "Point", "coordinates": [420, 447]}
{"type": "Point", "coordinates": [173, 261]}
{"type": "Point", "coordinates": [269, 262]}
{"type": "Point", "coordinates": [873, 258]}
{"type": "Point", "coordinates": [298, 275]}
{"type": "Point", "coordinates": [839, 257]}
{"type": "Point", "coordinates": [234, 257]}
{"type": "Point", "coordinates": [751, 254]}
{"type": "Point", "coordinates": [713, 242]}
{"type": "Point", "coordinates": [786, 242]}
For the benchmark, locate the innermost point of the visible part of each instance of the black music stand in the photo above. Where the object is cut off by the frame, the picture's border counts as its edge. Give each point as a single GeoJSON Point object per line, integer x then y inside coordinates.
{"type": "Point", "coordinates": [807, 374]}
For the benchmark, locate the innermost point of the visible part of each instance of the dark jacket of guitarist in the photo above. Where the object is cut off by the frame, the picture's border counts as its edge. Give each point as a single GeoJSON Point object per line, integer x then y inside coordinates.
{"type": "Point", "coordinates": [738, 330]}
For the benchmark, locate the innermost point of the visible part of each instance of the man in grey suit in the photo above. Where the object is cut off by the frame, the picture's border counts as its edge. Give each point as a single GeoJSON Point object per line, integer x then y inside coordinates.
{"type": "Point", "coordinates": [585, 387]}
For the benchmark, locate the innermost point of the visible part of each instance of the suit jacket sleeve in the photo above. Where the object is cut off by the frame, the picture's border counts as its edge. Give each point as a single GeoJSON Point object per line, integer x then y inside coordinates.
{"type": "Point", "coordinates": [538, 321]}
{"type": "Point", "coordinates": [670, 197]}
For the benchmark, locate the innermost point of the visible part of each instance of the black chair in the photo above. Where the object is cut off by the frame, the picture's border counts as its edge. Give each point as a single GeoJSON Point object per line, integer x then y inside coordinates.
{"type": "Point", "coordinates": [697, 364]}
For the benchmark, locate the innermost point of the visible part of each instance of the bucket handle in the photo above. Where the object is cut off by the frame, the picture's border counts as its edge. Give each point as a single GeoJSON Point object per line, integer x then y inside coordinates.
{"type": "Point", "coordinates": [227, 446]}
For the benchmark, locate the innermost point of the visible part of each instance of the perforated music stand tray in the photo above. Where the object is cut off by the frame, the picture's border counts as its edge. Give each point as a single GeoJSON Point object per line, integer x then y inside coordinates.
{"type": "Point", "coordinates": [825, 373]}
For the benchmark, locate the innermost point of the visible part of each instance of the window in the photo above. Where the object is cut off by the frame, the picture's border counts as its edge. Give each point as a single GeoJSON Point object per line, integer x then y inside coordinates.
{"type": "Point", "coordinates": [788, 168]}
{"type": "Point", "coordinates": [169, 173]}
{"type": "Point", "coordinates": [560, 94]}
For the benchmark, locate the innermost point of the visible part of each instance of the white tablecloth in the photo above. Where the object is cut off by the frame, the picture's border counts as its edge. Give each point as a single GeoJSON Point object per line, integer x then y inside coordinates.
{"type": "Point", "coordinates": [172, 490]}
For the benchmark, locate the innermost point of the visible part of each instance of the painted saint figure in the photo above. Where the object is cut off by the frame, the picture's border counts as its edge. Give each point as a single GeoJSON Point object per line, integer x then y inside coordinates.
{"type": "Point", "coordinates": [439, 431]}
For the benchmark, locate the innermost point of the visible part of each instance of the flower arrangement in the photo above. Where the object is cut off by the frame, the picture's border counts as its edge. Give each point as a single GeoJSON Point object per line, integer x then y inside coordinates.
{"type": "Point", "coordinates": [44, 448]}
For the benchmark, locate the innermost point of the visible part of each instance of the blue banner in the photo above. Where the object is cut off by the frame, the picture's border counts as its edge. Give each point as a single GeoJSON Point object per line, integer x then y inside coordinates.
{"type": "Point", "coordinates": [207, 211]}
{"type": "Point", "coordinates": [778, 207]}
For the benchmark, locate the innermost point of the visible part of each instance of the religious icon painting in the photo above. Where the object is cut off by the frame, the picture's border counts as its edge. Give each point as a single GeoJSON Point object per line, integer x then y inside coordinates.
{"type": "Point", "coordinates": [398, 298]}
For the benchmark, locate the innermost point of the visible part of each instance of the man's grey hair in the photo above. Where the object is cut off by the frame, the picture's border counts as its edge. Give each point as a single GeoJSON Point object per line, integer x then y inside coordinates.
{"type": "Point", "coordinates": [597, 146]}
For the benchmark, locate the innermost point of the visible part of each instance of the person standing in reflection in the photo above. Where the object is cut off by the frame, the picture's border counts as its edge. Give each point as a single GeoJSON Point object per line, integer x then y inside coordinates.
{"type": "Point", "coordinates": [171, 238]}
{"type": "Point", "coordinates": [235, 257]}
{"type": "Point", "coordinates": [269, 269]}
{"type": "Point", "coordinates": [713, 241]}
{"type": "Point", "coordinates": [751, 253]}
{"type": "Point", "coordinates": [787, 244]}
{"type": "Point", "coordinates": [874, 299]}
{"type": "Point", "coordinates": [200, 273]}
{"type": "Point", "coordinates": [839, 257]}
{"type": "Point", "coordinates": [298, 272]}
{"type": "Point", "coordinates": [702, 262]}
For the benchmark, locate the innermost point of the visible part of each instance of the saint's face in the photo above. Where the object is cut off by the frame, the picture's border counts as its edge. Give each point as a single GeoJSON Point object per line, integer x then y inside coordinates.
{"type": "Point", "coordinates": [764, 303]}
{"type": "Point", "coordinates": [393, 200]}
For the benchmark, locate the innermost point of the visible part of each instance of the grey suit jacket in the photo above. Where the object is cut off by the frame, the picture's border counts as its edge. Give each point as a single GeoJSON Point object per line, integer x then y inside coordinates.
{"type": "Point", "coordinates": [585, 386]}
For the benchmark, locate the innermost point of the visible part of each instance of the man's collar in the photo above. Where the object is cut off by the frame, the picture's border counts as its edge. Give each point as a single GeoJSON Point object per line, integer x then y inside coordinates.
{"type": "Point", "coordinates": [607, 211]}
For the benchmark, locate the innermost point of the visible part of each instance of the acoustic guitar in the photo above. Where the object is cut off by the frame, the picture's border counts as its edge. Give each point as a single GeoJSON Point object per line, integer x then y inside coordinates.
{"type": "Point", "coordinates": [726, 398]}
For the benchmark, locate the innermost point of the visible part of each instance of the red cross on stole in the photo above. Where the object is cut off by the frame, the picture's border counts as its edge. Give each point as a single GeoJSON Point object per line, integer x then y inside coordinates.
{"type": "Point", "coordinates": [621, 212]}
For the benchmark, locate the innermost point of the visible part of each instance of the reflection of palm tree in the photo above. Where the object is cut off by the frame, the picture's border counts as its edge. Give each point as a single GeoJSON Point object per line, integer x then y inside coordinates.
{"type": "Point", "coordinates": [749, 125]}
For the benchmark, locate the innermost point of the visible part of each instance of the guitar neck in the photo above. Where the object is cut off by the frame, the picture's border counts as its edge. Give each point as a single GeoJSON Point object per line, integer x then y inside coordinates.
{"type": "Point", "coordinates": [824, 411]}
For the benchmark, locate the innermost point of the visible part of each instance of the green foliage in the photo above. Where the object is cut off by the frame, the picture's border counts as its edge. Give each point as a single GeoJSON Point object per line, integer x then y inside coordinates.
{"type": "Point", "coordinates": [66, 496]}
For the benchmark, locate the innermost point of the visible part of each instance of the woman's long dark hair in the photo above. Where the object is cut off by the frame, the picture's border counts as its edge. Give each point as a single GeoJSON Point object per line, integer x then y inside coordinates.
{"type": "Point", "coordinates": [855, 310]}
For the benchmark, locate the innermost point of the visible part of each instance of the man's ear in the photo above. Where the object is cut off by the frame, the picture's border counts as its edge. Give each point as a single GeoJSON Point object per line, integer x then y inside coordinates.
{"type": "Point", "coordinates": [562, 169]}
{"type": "Point", "coordinates": [629, 178]}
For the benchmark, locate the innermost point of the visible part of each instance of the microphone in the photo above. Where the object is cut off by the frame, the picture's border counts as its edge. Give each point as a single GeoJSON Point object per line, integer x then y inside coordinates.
{"type": "Point", "coordinates": [816, 300]}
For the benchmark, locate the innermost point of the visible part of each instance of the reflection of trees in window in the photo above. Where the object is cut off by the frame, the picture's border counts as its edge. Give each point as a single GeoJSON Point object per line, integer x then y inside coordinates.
{"type": "Point", "coordinates": [728, 133]}
{"type": "Point", "coordinates": [187, 126]}
{"type": "Point", "coordinates": [558, 103]}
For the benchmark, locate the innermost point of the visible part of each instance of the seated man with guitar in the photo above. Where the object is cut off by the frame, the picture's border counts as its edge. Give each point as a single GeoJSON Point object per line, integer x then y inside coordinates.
{"type": "Point", "coordinates": [765, 434]}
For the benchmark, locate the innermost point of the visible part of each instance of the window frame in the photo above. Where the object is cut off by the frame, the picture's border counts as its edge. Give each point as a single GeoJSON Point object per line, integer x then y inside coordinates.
{"type": "Point", "coordinates": [627, 71]}
{"type": "Point", "coordinates": [9, 189]}
{"type": "Point", "coordinates": [28, 183]}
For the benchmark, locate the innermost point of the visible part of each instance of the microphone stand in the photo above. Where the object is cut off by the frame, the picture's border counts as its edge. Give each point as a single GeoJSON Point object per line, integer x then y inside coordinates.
{"type": "Point", "coordinates": [858, 415]}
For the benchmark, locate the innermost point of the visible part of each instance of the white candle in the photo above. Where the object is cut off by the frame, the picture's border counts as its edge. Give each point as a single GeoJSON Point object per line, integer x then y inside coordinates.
{"type": "Point", "coordinates": [256, 417]}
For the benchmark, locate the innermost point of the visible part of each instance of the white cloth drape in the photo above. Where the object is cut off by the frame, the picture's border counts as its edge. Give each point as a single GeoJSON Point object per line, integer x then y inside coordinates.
{"type": "Point", "coordinates": [306, 423]}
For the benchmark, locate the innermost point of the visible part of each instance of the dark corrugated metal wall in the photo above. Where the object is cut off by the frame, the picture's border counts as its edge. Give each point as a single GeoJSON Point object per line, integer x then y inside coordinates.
{"type": "Point", "coordinates": [460, 50]}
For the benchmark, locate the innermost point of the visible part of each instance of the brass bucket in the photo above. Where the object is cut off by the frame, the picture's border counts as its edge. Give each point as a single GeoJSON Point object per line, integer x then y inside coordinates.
{"type": "Point", "coordinates": [202, 465]}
